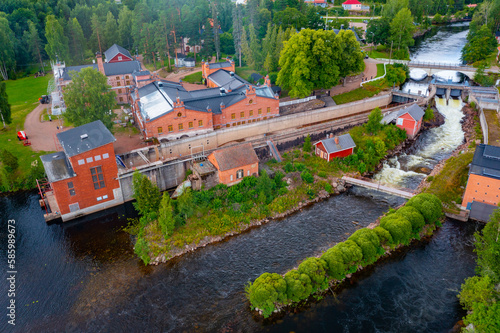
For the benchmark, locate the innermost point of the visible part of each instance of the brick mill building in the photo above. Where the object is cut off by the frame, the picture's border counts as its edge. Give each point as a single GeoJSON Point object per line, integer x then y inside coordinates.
{"type": "Point", "coordinates": [165, 110]}
{"type": "Point", "coordinates": [482, 193]}
{"type": "Point", "coordinates": [120, 69]}
{"type": "Point", "coordinates": [234, 163]}
{"type": "Point", "coordinates": [83, 176]}
{"type": "Point", "coordinates": [334, 146]}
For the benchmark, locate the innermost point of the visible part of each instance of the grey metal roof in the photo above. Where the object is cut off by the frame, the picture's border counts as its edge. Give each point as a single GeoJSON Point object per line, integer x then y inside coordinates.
{"type": "Point", "coordinates": [225, 79]}
{"type": "Point", "coordinates": [74, 141]}
{"type": "Point", "coordinates": [120, 68]}
{"type": "Point", "coordinates": [264, 91]}
{"type": "Point", "coordinates": [57, 166]}
{"type": "Point", "coordinates": [486, 161]}
{"type": "Point", "coordinates": [352, 29]}
{"type": "Point", "coordinates": [66, 71]}
{"type": "Point", "coordinates": [219, 64]}
{"type": "Point", "coordinates": [481, 211]}
{"type": "Point", "coordinates": [345, 142]}
{"type": "Point", "coordinates": [114, 50]}
{"type": "Point", "coordinates": [214, 102]}
{"type": "Point", "coordinates": [139, 73]}
{"type": "Point", "coordinates": [256, 76]}
{"type": "Point", "coordinates": [414, 110]}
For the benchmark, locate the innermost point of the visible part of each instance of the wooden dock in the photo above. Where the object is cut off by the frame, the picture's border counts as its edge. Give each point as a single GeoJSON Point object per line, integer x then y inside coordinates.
{"type": "Point", "coordinates": [51, 202]}
{"type": "Point", "coordinates": [408, 194]}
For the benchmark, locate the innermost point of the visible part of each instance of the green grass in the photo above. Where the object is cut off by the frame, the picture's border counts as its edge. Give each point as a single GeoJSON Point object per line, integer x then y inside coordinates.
{"type": "Point", "coordinates": [382, 51]}
{"type": "Point", "coordinates": [23, 96]}
{"type": "Point", "coordinates": [380, 70]}
{"type": "Point", "coordinates": [245, 71]}
{"type": "Point", "coordinates": [353, 95]}
{"type": "Point", "coordinates": [193, 78]}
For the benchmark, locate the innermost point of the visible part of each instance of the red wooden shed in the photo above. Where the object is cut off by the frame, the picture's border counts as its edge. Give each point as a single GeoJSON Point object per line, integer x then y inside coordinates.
{"type": "Point", "coordinates": [331, 147]}
{"type": "Point", "coordinates": [410, 119]}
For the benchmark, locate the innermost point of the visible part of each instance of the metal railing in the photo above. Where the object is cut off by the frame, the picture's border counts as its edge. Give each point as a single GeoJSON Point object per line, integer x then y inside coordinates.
{"type": "Point", "coordinates": [375, 79]}
{"type": "Point", "coordinates": [297, 101]}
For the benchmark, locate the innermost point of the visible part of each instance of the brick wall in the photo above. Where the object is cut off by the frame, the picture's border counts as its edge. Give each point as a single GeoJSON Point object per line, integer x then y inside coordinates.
{"type": "Point", "coordinates": [85, 194]}
{"type": "Point", "coordinates": [225, 176]}
{"type": "Point", "coordinates": [482, 189]}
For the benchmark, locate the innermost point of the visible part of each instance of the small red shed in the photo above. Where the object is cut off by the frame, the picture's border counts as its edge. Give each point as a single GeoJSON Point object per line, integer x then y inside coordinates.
{"type": "Point", "coordinates": [410, 119]}
{"type": "Point", "coordinates": [331, 147]}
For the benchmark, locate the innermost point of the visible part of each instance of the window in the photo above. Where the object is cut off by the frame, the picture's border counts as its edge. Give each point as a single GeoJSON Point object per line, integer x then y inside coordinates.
{"type": "Point", "coordinates": [121, 99]}
{"type": "Point", "coordinates": [268, 110]}
{"type": "Point", "coordinates": [117, 77]}
{"type": "Point", "coordinates": [81, 162]}
{"type": "Point", "coordinates": [127, 77]}
{"type": "Point", "coordinates": [160, 130]}
{"type": "Point", "coordinates": [248, 173]}
{"type": "Point", "coordinates": [231, 177]}
{"type": "Point", "coordinates": [200, 123]}
{"type": "Point", "coordinates": [71, 189]}
{"type": "Point", "coordinates": [233, 115]}
{"type": "Point", "coordinates": [239, 174]}
{"type": "Point", "coordinates": [170, 128]}
{"type": "Point", "coordinates": [128, 83]}
{"type": "Point", "coordinates": [74, 207]}
{"type": "Point", "coordinates": [181, 127]}
{"type": "Point", "coordinates": [242, 114]}
{"type": "Point", "coordinates": [97, 158]}
{"type": "Point", "coordinates": [106, 155]}
{"type": "Point", "coordinates": [119, 57]}
{"type": "Point", "coordinates": [190, 124]}
{"type": "Point", "coordinates": [399, 121]}
{"type": "Point", "coordinates": [97, 177]}
{"type": "Point", "coordinates": [250, 113]}
{"type": "Point", "coordinates": [260, 111]}
{"type": "Point", "coordinates": [119, 91]}
{"type": "Point", "coordinates": [89, 160]}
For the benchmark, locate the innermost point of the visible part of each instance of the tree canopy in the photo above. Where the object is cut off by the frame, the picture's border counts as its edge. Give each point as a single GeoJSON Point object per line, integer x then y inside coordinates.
{"type": "Point", "coordinates": [88, 98]}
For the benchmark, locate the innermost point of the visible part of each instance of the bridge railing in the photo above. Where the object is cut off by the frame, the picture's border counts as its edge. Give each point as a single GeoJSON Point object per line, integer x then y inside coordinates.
{"type": "Point", "coordinates": [427, 64]}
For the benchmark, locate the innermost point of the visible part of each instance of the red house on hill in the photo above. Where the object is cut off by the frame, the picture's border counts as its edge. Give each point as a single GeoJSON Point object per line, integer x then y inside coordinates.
{"type": "Point", "coordinates": [116, 53]}
{"type": "Point", "coordinates": [83, 176]}
{"type": "Point", "coordinates": [338, 146]}
{"type": "Point", "coordinates": [410, 119]}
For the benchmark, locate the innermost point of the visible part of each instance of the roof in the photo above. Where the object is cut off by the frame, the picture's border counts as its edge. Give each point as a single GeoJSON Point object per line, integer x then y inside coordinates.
{"type": "Point", "coordinates": [84, 138]}
{"type": "Point", "coordinates": [481, 211]}
{"type": "Point", "coordinates": [345, 142]}
{"type": "Point", "coordinates": [352, 29]}
{"type": "Point", "coordinates": [486, 161]}
{"type": "Point", "coordinates": [235, 156]}
{"type": "Point", "coordinates": [352, 2]}
{"type": "Point", "coordinates": [114, 50]}
{"type": "Point", "coordinates": [219, 64]}
{"type": "Point", "coordinates": [57, 166]}
{"type": "Point", "coordinates": [189, 59]}
{"type": "Point", "coordinates": [66, 71]}
{"type": "Point", "coordinates": [414, 110]}
{"type": "Point", "coordinates": [256, 76]}
{"type": "Point", "coordinates": [141, 73]}
{"type": "Point", "coordinates": [227, 80]}
{"type": "Point", "coordinates": [472, 5]}
{"type": "Point", "coordinates": [119, 68]}
{"type": "Point", "coordinates": [497, 33]}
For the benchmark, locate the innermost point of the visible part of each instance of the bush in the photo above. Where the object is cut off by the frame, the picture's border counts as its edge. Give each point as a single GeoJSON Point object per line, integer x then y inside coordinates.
{"type": "Point", "coordinates": [307, 177]}
{"type": "Point", "coordinates": [315, 268]}
{"type": "Point", "coordinates": [298, 286]}
{"type": "Point", "coordinates": [141, 249]}
{"type": "Point", "coordinates": [336, 268]}
{"type": "Point", "coordinates": [369, 243]}
{"type": "Point", "coordinates": [289, 167]}
{"type": "Point", "coordinates": [9, 161]}
{"type": "Point", "coordinates": [322, 174]}
{"type": "Point", "coordinates": [476, 289]}
{"type": "Point", "coordinates": [267, 289]}
{"type": "Point", "coordinates": [307, 144]}
{"type": "Point", "coordinates": [428, 205]}
{"type": "Point", "coordinates": [413, 215]}
{"type": "Point", "coordinates": [384, 235]}
{"type": "Point", "coordinates": [350, 253]}
{"type": "Point", "coordinates": [398, 226]}
{"type": "Point", "coordinates": [300, 167]}
{"type": "Point", "coordinates": [430, 178]}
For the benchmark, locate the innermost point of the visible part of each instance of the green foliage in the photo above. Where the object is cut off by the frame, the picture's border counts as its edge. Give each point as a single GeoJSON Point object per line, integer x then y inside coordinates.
{"type": "Point", "coordinates": [402, 29]}
{"type": "Point", "coordinates": [476, 289]}
{"type": "Point", "coordinates": [5, 112]}
{"type": "Point", "coordinates": [428, 205]}
{"type": "Point", "coordinates": [146, 194]}
{"type": "Point", "coordinates": [482, 78]}
{"type": "Point", "coordinates": [165, 216]}
{"type": "Point", "coordinates": [350, 253]}
{"type": "Point", "coordinates": [307, 177]}
{"type": "Point", "coordinates": [488, 248]}
{"type": "Point", "coordinates": [486, 318]}
{"type": "Point", "coordinates": [141, 249]}
{"type": "Point", "coordinates": [429, 114]}
{"type": "Point", "coordinates": [384, 235]}
{"type": "Point", "coordinates": [373, 126]}
{"type": "Point", "coordinates": [369, 243]}
{"type": "Point", "coordinates": [480, 44]}
{"type": "Point", "coordinates": [396, 75]}
{"type": "Point", "coordinates": [413, 215]}
{"type": "Point", "coordinates": [298, 285]}
{"type": "Point", "coordinates": [57, 42]}
{"type": "Point", "coordinates": [315, 268]}
{"type": "Point", "coordinates": [9, 161]}
{"type": "Point", "coordinates": [399, 228]}
{"type": "Point", "coordinates": [265, 291]}
{"type": "Point", "coordinates": [88, 98]}
{"type": "Point", "coordinates": [336, 269]}
{"type": "Point", "coordinates": [307, 147]}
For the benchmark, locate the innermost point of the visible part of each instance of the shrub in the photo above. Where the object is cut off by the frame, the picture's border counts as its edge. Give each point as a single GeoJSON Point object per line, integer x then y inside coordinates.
{"type": "Point", "coordinates": [298, 286]}
{"type": "Point", "coordinates": [399, 227]}
{"type": "Point", "coordinates": [315, 268]}
{"type": "Point", "coordinates": [322, 174]}
{"type": "Point", "coordinates": [413, 215]}
{"type": "Point", "coordinates": [289, 167]}
{"type": "Point", "coordinates": [384, 235]}
{"type": "Point", "coordinates": [10, 161]}
{"type": "Point", "coordinates": [307, 144]}
{"type": "Point", "coordinates": [141, 249]}
{"type": "Point", "coordinates": [430, 178]}
{"type": "Point", "coordinates": [350, 253]}
{"type": "Point", "coordinates": [307, 177]}
{"type": "Point", "coordinates": [265, 291]}
{"type": "Point", "coordinates": [369, 243]}
{"type": "Point", "coordinates": [476, 289]}
{"type": "Point", "coordinates": [300, 166]}
{"type": "Point", "coordinates": [336, 269]}
{"type": "Point", "coordinates": [428, 205]}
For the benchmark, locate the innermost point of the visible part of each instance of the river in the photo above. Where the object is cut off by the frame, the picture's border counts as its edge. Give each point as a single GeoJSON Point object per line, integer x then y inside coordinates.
{"type": "Point", "coordinates": [83, 276]}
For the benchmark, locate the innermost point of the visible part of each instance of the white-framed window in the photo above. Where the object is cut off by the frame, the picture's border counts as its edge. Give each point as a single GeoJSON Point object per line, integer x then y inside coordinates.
{"type": "Point", "coordinates": [231, 177]}
{"type": "Point", "coordinates": [97, 158]}
{"type": "Point", "coordinates": [119, 57]}
{"type": "Point", "coordinates": [399, 121]}
{"type": "Point", "coordinates": [104, 197]}
{"type": "Point", "coordinates": [248, 173]}
{"type": "Point", "coordinates": [99, 198]}
{"type": "Point", "coordinates": [89, 160]}
{"type": "Point", "coordinates": [240, 173]}
{"type": "Point", "coordinates": [81, 162]}
{"type": "Point", "coordinates": [104, 156]}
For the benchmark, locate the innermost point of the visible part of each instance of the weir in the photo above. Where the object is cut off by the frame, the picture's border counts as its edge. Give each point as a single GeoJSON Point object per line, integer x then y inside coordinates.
{"type": "Point", "coordinates": [403, 193]}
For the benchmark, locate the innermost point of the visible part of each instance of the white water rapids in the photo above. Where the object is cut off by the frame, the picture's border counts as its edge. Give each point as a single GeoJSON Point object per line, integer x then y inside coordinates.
{"type": "Point", "coordinates": [431, 147]}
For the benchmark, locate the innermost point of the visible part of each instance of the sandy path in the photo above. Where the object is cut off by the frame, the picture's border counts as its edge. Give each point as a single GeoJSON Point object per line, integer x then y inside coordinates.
{"type": "Point", "coordinates": [41, 134]}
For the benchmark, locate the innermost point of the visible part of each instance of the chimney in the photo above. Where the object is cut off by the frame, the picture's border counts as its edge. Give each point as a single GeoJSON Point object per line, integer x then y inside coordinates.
{"type": "Point", "coordinates": [231, 73]}
{"type": "Point", "coordinates": [336, 140]}
{"type": "Point", "coordinates": [99, 63]}
{"type": "Point", "coordinates": [222, 91]}
{"type": "Point", "coordinates": [267, 81]}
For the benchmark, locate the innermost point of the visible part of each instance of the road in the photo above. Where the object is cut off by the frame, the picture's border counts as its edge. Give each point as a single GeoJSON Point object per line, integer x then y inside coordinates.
{"type": "Point", "coordinates": [41, 134]}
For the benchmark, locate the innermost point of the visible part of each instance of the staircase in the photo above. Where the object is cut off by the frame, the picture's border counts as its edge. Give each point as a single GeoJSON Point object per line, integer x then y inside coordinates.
{"type": "Point", "coordinates": [273, 150]}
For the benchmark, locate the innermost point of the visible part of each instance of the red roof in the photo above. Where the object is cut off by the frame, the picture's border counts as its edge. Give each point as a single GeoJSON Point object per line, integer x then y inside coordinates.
{"type": "Point", "coordinates": [472, 5]}
{"type": "Point", "coordinates": [352, 2]}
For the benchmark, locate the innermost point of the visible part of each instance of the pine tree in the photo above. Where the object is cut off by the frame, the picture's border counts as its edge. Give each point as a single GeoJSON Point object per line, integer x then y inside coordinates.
{"type": "Point", "coordinates": [76, 41]}
{"type": "Point", "coordinates": [255, 47]}
{"type": "Point", "coordinates": [237, 30]}
{"type": "Point", "coordinates": [34, 43]}
{"type": "Point", "coordinates": [245, 49]}
{"type": "Point", "coordinates": [208, 41]}
{"type": "Point", "coordinates": [4, 105]}
{"type": "Point", "coordinates": [110, 31]}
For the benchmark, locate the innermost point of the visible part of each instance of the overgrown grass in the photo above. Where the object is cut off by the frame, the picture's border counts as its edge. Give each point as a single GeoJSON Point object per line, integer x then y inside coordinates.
{"type": "Point", "coordinates": [449, 184]}
{"type": "Point", "coordinates": [382, 51]}
{"type": "Point", "coordinates": [353, 95]}
{"type": "Point", "coordinates": [23, 96]}
{"type": "Point", "coordinates": [380, 70]}
{"type": "Point", "coordinates": [193, 78]}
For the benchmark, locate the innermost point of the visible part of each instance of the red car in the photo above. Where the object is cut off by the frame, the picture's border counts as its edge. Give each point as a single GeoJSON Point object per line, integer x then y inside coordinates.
{"type": "Point", "coordinates": [21, 135]}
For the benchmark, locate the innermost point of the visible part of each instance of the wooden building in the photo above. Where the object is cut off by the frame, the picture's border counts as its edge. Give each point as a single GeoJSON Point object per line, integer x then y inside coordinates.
{"type": "Point", "coordinates": [334, 146]}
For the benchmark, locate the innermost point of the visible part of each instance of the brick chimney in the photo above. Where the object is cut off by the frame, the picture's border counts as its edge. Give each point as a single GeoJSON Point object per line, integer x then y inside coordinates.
{"type": "Point", "coordinates": [336, 140]}
{"type": "Point", "coordinates": [99, 63]}
{"type": "Point", "coordinates": [267, 81]}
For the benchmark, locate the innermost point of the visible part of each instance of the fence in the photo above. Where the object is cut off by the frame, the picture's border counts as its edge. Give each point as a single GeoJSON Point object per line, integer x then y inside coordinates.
{"type": "Point", "coordinates": [375, 79]}
{"type": "Point", "coordinates": [297, 101]}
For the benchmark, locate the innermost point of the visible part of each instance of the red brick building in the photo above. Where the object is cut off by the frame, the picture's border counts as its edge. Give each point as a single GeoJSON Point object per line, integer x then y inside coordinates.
{"type": "Point", "coordinates": [331, 147]}
{"type": "Point", "coordinates": [83, 175]}
{"type": "Point", "coordinates": [209, 68]}
{"type": "Point", "coordinates": [165, 110]}
{"type": "Point", "coordinates": [234, 163]}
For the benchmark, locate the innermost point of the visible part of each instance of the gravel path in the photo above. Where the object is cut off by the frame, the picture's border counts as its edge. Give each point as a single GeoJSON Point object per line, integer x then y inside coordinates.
{"type": "Point", "coordinates": [41, 134]}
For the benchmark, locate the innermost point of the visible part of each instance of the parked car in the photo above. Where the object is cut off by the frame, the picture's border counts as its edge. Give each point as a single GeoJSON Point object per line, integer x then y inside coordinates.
{"type": "Point", "coordinates": [45, 99]}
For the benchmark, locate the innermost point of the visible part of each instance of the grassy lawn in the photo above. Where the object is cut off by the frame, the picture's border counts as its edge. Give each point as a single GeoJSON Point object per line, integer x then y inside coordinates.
{"type": "Point", "coordinates": [370, 89]}
{"type": "Point", "coordinates": [380, 70]}
{"type": "Point", "coordinates": [245, 71]}
{"type": "Point", "coordinates": [493, 127]}
{"type": "Point", "coordinates": [193, 78]}
{"type": "Point", "coordinates": [382, 51]}
{"type": "Point", "coordinates": [23, 96]}
{"type": "Point", "coordinates": [449, 184]}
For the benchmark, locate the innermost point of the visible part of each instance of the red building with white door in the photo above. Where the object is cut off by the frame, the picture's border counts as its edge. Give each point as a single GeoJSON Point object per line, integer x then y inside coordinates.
{"type": "Point", "coordinates": [410, 119]}
{"type": "Point", "coordinates": [331, 147]}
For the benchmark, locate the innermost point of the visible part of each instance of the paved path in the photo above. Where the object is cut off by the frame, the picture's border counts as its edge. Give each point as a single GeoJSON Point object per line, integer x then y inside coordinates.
{"type": "Point", "coordinates": [378, 187]}
{"type": "Point", "coordinates": [370, 71]}
{"type": "Point", "coordinates": [41, 134]}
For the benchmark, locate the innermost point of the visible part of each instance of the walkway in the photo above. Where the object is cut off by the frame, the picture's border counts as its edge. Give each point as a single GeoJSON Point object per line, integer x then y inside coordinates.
{"type": "Point", "coordinates": [41, 134]}
{"type": "Point", "coordinates": [378, 187]}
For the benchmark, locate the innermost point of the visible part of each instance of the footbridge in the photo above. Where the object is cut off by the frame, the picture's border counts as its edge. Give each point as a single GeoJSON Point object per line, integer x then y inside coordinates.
{"type": "Point", "coordinates": [434, 67]}
{"type": "Point", "coordinates": [404, 193]}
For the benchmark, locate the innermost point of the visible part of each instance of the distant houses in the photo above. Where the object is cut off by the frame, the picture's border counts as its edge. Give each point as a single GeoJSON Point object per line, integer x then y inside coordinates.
{"type": "Point", "coordinates": [184, 61]}
{"type": "Point", "coordinates": [482, 193]}
{"type": "Point", "coordinates": [334, 146]}
{"type": "Point", "coordinates": [317, 3]}
{"type": "Point", "coordinates": [351, 5]}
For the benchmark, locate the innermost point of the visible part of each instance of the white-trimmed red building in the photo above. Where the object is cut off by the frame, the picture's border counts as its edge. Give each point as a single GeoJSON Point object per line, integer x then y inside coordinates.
{"type": "Point", "coordinates": [116, 53]}
{"type": "Point", "coordinates": [410, 119]}
{"type": "Point", "coordinates": [334, 146]}
{"type": "Point", "coordinates": [317, 3]}
{"type": "Point", "coordinates": [352, 5]}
